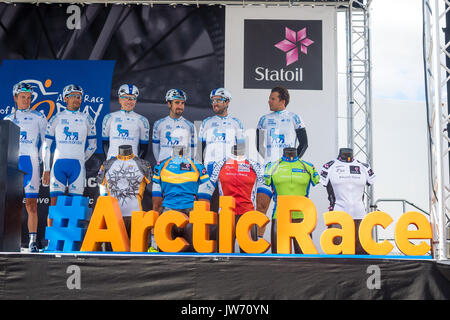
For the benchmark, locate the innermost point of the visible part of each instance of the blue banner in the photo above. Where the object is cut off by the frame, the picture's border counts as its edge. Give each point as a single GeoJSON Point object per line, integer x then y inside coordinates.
{"type": "Point", "coordinates": [49, 77]}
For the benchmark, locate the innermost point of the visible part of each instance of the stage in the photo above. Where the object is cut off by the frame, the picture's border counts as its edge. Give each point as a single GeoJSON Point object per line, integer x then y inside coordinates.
{"type": "Point", "coordinates": [129, 276]}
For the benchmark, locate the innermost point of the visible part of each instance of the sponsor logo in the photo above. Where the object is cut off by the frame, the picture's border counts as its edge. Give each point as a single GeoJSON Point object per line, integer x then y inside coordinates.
{"type": "Point", "coordinates": [355, 170]}
{"type": "Point", "coordinates": [294, 62]}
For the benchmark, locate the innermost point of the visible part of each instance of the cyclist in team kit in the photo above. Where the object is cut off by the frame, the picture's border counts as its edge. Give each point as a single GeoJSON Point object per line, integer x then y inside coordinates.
{"type": "Point", "coordinates": [280, 129]}
{"type": "Point", "coordinates": [125, 127]}
{"type": "Point", "coordinates": [220, 132]}
{"type": "Point", "coordinates": [289, 176]}
{"type": "Point", "coordinates": [69, 130]}
{"type": "Point", "coordinates": [32, 135]}
{"type": "Point", "coordinates": [173, 130]}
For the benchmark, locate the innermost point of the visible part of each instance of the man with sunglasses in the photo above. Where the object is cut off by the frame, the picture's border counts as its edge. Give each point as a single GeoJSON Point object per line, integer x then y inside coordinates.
{"type": "Point", "coordinates": [125, 127]}
{"type": "Point", "coordinates": [219, 133]}
{"type": "Point", "coordinates": [32, 134]}
{"type": "Point", "coordinates": [69, 130]}
{"type": "Point", "coordinates": [173, 130]}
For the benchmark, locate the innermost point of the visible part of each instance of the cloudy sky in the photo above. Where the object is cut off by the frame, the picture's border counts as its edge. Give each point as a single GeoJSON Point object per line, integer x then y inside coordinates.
{"type": "Point", "coordinates": [397, 49]}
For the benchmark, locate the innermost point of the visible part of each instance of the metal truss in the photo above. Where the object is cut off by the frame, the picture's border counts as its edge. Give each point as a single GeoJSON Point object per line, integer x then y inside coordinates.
{"type": "Point", "coordinates": [359, 107]}
{"type": "Point", "coordinates": [437, 76]}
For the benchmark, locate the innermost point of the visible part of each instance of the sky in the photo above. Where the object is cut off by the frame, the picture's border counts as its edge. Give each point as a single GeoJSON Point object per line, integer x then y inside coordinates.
{"type": "Point", "coordinates": [396, 46]}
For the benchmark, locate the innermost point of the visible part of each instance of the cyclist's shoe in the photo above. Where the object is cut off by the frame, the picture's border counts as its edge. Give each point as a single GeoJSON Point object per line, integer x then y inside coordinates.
{"type": "Point", "coordinates": [33, 247]}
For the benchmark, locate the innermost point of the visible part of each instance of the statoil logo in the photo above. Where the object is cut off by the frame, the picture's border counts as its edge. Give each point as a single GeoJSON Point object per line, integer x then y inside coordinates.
{"type": "Point", "coordinates": [289, 54]}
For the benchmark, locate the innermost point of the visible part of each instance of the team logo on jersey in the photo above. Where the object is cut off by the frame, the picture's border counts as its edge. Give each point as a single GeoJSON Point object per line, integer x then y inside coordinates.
{"type": "Point", "coordinates": [173, 141]}
{"type": "Point", "coordinates": [243, 167]}
{"type": "Point", "coordinates": [219, 136]}
{"type": "Point", "coordinates": [355, 170]}
{"type": "Point", "coordinates": [23, 135]}
{"type": "Point", "coordinates": [70, 135]}
{"type": "Point", "coordinates": [276, 138]}
{"type": "Point", "coordinates": [185, 166]}
{"type": "Point", "coordinates": [123, 133]}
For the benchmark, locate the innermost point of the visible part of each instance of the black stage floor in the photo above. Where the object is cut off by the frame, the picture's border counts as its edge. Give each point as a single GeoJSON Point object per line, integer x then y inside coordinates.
{"type": "Point", "coordinates": [122, 276]}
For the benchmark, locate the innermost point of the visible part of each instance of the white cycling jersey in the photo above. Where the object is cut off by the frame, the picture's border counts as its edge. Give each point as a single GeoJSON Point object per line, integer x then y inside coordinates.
{"type": "Point", "coordinates": [70, 130]}
{"type": "Point", "coordinates": [347, 181]}
{"type": "Point", "coordinates": [169, 132]}
{"type": "Point", "coordinates": [124, 128]}
{"type": "Point", "coordinates": [220, 134]}
{"type": "Point", "coordinates": [279, 132]}
{"type": "Point", "coordinates": [32, 130]}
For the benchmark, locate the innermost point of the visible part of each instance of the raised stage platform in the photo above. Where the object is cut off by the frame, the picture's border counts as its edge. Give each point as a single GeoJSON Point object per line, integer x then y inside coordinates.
{"type": "Point", "coordinates": [231, 277]}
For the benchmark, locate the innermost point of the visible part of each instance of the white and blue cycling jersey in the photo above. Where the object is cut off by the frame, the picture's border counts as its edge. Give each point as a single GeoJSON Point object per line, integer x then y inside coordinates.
{"type": "Point", "coordinates": [74, 134]}
{"type": "Point", "coordinates": [279, 132]}
{"type": "Point", "coordinates": [125, 128]}
{"type": "Point", "coordinates": [32, 126]}
{"type": "Point", "coordinates": [220, 134]}
{"type": "Point", "coordinates": [169, 132]}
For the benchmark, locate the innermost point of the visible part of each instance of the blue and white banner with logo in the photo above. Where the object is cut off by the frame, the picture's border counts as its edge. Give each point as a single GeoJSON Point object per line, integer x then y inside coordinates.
{"type": "Point", "coordinates": [49, 77]}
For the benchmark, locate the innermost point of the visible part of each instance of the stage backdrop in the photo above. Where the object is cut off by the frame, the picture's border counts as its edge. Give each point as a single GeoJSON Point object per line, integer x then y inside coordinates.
{"type": "Point", "coordinates": [294, 48]}
{"type": "Point", "coordinates": [101, 47]}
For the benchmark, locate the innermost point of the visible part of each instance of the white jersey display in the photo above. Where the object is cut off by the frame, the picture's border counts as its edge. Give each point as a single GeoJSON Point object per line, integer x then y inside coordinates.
{"type": "Point", "coordinates": [32, 130]}
{"type": "Point", "coordinates": [220, 134]}
{"type": "Point", "coordinates": [347, 181]}
{"type": "Point", "coordinates": [124, 128]}
{"type": "Point", "coordinates": [169, 132]}
{"type": "Point", "coordinates": [279, 132]}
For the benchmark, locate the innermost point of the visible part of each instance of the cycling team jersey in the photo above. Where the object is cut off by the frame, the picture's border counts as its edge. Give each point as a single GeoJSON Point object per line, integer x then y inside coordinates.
{"type": "Point", "coordinates": [238, 177]}
{"type": "Point", "coordinates": [125, 178]}
{"type": "Point", "coordinates": [75, 137]}
{"type": "Point", "coordinates": [177, 180]}
{"type": "Point", "coordinates": [169, 132]}
{"type": "Point", "coordinates": [290, 176]}
{"type": "Point", "coordinates": [279, 132]}
{"type": "Point", "coordinates": [347, 181]}
{"type": "Point", "coordinates": [32, 130]}
{"type": "Point", "coordinates": [220, 134]}
{"type": "Point", "coordinates": [124, 128]}
{"type": "Point", "coordinates": [70, 130]}
{"type": "Point", "coordinates": [32, 126]}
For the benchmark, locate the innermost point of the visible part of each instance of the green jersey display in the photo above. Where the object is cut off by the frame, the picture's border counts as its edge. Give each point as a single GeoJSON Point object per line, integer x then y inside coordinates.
{"type": "Point", "coordinates": [290, 177]}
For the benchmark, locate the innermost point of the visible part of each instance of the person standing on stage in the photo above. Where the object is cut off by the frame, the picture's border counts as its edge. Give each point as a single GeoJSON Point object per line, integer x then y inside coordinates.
{"type": "Point", "coordinates": [220, 132]}
{"type": "Point", "coordinates": [69, 130]}
{"type": "Point", "coordinates": [32, 134]}
{"type": "Point", "coordinates": [173, 130]}
{"type": "Point", "coordinates": [125, 127]}
{"type": "Point", "coordinates": [280, 129]}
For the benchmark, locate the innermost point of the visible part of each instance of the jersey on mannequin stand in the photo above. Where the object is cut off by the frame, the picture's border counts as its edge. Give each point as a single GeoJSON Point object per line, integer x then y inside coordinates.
{"type": "Point", "coordinates": [345, 180]}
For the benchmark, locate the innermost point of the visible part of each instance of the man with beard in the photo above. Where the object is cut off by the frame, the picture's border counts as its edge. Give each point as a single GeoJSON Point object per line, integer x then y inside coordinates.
{"type": "Point", "coordinates": [173, 130]}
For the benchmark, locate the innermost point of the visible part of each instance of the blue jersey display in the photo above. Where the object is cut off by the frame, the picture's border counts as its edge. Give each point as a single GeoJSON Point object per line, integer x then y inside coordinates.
{"type": "Point", "coordinates": [176, 180]}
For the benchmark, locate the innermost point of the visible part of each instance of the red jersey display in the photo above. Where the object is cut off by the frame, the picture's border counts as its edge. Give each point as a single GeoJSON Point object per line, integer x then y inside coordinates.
{"type": "Point", "coordinates": [240, 178]}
